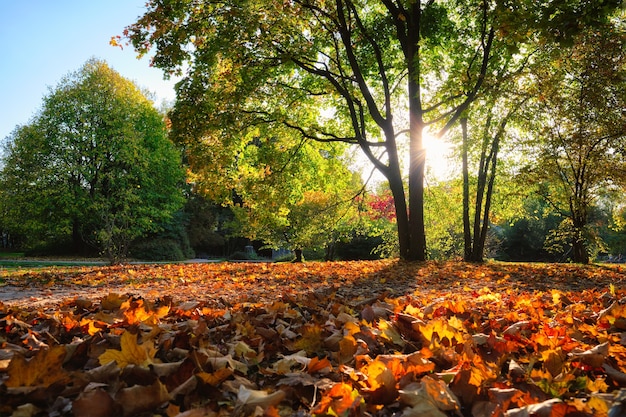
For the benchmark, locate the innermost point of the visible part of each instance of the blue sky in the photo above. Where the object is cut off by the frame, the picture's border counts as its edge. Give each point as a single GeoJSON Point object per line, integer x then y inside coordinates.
{"type": "Point", "coordinates": [44, 40]}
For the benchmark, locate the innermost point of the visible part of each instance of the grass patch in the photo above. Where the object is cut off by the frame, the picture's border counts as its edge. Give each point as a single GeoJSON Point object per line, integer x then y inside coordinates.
{"type": "Point", "coordinates": [11, 255]}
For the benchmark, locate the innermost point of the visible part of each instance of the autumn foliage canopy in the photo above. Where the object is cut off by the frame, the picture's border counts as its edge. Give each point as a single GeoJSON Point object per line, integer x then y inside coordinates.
{"type": "Point", "coordinates": [326, 339]}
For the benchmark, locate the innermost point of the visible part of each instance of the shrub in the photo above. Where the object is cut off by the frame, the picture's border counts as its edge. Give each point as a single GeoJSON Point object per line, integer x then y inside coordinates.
{"type": "Point", "coordinates": [159, 249]}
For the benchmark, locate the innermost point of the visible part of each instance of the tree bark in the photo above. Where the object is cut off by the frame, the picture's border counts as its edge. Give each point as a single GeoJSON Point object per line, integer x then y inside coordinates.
{"type": "Point", "coordinates": [402, 217]}
{"type": "Point", "coordinates": [417, 154]}
{"type": "Point", "coordinates": [467, 236]}
{"type": "Point", "coordinates": [580, 254]}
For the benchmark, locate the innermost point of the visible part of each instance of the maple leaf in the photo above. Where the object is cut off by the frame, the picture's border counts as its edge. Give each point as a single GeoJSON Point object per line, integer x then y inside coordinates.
{"type": "Point", "coordinates": [470, 322]}
{"type": "Point", "coordinates": [381, 382]}
{"type": "Point", "coordinates": [43, 369]}
{"type": "Point", "coordinates": [130, 353]}
{"type": "Point", "coordinates": [340, 400]}
{"type": "Point", "coordinates": [295, 360]}
{"type": "Point", "coordinates": [543, 409]}
{"type": "Point", "coordinates": [435, 331]}
{"type": "Point", "coordinates": [311, 340]}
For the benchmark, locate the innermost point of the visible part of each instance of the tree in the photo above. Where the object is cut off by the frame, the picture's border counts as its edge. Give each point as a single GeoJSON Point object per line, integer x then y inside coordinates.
{"type": "Point", "coordinates": [93, 166]}
{"type": "Point", "coordinates": [580, 120]}
{"type": "Point", "coordinates": [383, 70]}
{"type": "Point", "coordinates": [488, 141]}
{"type": "Point", "coordinates": [291, 196]}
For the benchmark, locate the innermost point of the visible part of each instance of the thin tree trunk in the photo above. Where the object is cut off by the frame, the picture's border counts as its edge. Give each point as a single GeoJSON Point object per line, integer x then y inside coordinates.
{"type": "Point", "coordinates": [466, 217]}
{"type": "Point", "coordinates": [479, 245]}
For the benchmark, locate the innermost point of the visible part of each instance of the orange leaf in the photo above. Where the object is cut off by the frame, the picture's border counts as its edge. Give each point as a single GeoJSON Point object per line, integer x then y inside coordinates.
{"type": "Point", "coordinates": [340, 399]}
{"type": "Point", "coordinates": [317, 365]}
{"type": "Point", "coordinates": [216, 377]}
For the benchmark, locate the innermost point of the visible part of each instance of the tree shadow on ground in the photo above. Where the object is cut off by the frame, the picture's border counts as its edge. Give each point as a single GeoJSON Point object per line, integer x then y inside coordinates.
{"type": "Point", "coordinates": [399, 279]}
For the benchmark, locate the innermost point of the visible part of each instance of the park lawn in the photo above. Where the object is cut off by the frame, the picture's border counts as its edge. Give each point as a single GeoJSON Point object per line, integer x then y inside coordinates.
{"type": "Point", "coordinates": [343, 338]}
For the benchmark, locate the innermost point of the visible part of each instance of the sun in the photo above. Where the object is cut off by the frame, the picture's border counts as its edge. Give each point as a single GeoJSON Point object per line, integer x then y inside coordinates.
{"type": "Point", "coordinates": [439, 157]}
{"type": "Point", "coordinates": [440, 162]}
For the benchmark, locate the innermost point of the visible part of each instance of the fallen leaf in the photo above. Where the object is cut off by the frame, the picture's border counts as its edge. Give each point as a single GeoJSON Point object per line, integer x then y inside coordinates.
{"type": "Point", "coordinates": [43, 369]}
{"type": "Point", "coordinates": [130, 353]}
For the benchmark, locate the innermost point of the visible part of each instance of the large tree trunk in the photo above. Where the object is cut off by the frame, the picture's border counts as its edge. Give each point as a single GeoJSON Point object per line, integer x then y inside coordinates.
{"type": "Point", "coordinates": [402, 217]}
{"type": "Point", "coordinates": [417, 154]}
{"type": "Point", "coordinates": [579, 249]}
{"type": "Point", "coordinates": [417, 250]}
{"type": "Point", "coordinates": [580, 254]}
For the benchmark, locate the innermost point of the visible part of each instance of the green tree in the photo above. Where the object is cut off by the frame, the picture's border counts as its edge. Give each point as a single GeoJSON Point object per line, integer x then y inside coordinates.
{"type": "Point", "coordinates": [94, 165]}
{"type": "Point", "coordinates": [580, 120]}
{"type": "Point", "coordinates": [491, 123]}
{"type": "Point", "coordinates": [291, 195]}
{"type": "Point", "coordinates": [373, 73]}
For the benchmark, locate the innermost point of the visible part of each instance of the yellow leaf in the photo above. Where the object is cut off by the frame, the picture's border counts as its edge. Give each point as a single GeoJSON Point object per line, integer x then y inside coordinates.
{"type": "Point", "coordinates": [131, 353]}
{"type": "Point", "coordinates": [113, 301]}
{"type": "Point", "coordinates": [598, 405]}
{"type": "Point", "coordinates": [598, 385]}
{"type": "Point", "coordinates": [311, 340]}
{"type": "Point", "coordinates": [390, 333]}
{"type": "Point", "coordinates": [43, 369]}
{"type": "Point", "coordinates": [378, 375]}
{"type": "Point", "coordinates": [347, 349]}
{"type": "Point", "coordinates": [90, 325]}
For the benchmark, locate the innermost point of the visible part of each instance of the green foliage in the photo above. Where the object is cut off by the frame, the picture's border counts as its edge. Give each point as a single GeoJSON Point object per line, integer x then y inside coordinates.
{"type": "Point", "coordinates": [444, 227]}
{"type": "Point", "coordinates": [300, 205]}
{"type": "Point", "coordinates": [579, 120]}
{"type": "Point", "coordinates": [524, 236]}
{"type": "Point", "coordinates": [170, 243]}
{"type": "Point", "coordinates": [158, 249]}
{"type": "Point", "coordinates": [360, 247]}
{"type": "Point", "coordinates": [94, 166]}
{"type": "Point", "coordinates": [204, 224]}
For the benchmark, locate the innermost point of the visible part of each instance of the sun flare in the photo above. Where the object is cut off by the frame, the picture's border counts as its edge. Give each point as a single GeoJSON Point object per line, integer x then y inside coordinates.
{"type": "Point", "coordinates": [439, 163]}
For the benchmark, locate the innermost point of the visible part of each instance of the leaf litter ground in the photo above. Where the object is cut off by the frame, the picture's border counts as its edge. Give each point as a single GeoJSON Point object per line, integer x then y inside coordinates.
{"type": "Point", "coordinates": [378, 338]}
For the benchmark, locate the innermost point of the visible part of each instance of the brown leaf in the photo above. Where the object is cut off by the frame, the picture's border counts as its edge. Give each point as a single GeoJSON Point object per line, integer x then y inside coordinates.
{"type": "Point", "coordinates": [594, 357]}
{"type": "Point", "coordinates": [248, 399]}
{"type": "Point", "coordinates": [95, 403]}
{"type": "Point", "coordinates": [543, 409]}
{"type": "Point", "coordinates": [140, 398]}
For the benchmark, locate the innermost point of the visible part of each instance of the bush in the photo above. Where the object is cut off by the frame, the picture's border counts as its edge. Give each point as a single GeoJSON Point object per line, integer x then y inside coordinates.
{"type": "Point", "coordinates": [359, 248]}
{"type": "Point", "coordinates": [243, 256]}
{"type": "Point", "coordinates": [159, 249]}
